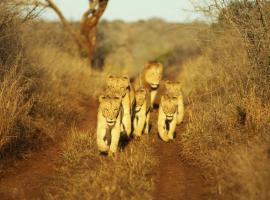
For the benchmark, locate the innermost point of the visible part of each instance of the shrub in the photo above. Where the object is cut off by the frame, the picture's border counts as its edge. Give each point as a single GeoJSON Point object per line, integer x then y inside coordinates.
{"type": "Point", "coordinates": [228, 97]}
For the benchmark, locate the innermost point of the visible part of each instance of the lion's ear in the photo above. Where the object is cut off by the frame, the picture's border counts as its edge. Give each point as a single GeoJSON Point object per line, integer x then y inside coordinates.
{"type": "Point", "coordinates": [110, 77]}
{"type": "Point", "coordinates": [101, 98]}
{"type": "Point", "coordinates": [126, 77]}
{"type": "Point", "coordinates": [161, 67]}
{"type": "Point", "coordinates": [147, 65]}
{"type": "Point", "coordinates": [166, 82]}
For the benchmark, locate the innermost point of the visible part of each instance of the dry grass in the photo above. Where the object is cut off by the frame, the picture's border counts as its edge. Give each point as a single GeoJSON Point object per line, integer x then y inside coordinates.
{"type": "Point", "coordinates": [228, 108]}
{"type": "Point", "coordinates": [40, 92]}
{"type": "Point", "coordinates": [14, 109]}
{"type": "Point", "coordinates": [45, 89]}
{"type": "Point", "coordinates": [85, 174]}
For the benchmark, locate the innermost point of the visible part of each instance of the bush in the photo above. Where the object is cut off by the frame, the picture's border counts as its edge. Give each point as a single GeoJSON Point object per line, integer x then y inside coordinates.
{"type": "Point", "coordinates": [228, 97]}
{"type": "Point", "coordinates": [40, 92]}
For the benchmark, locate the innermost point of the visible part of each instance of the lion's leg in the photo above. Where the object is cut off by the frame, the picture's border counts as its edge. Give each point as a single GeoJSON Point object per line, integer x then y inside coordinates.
{"type": "Point", "coordinates": [135, 122]}
{"type": "Point", "coordinates": [162, 126]}
{"type": "Point", "coordinates": [101, 131]}
{"type": "Point", "coordinates": [141, 122]}
{"type": "Point", "coordinates": [146, 130]}
{"type": "Point", "coordinates": [132, 99]}
{"type": "Point", "coordinates": [126, 114]}
{"type": "Point", "coordinates": [115, 139]}
{"type": "Point", "coordinates": [127, 123]}
{"type": "Point", "coordinates": [171, 131]}
{"type": "Point", "coordinates": [153, 95]}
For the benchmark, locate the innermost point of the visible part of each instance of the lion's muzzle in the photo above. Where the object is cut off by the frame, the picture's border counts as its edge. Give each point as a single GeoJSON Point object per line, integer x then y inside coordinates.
{"type": "Point", "coordinates": [110, 122]}
{"type": "Point", "coordinates": [154, 86]}
{"type": "Point", "coordinates": [169, 117]}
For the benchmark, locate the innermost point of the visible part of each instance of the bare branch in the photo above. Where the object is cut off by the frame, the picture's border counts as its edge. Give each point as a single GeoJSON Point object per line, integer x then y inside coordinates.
{"type": "Point", "coordinates": [36, 3]}
{"type": "Point", "coordinates": [53, 6]}
{"type": "Point", "coordinates": [262, 16]}
{"type": "Point", "coordinates": [65, 23]}
{"type": "Point", "coordinates": [90, 21]}
{"type": "Point", "coordinates": [32, 13]}
{"type": "Point", "coordinates": [86, 36]}
{"type": "Point", "coordinates": [92, 7]}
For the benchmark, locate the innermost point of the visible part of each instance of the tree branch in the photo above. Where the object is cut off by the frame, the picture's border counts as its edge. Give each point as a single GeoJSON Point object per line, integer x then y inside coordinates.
{"type": "Point", "coordinates": [262, 16]}
{"type": "Point", "coordinates": [89, 21]}
{"type": "Point", "coordinates": [92, 7]}
{"type": "Point", "coordinates": [66, 24]}
{"type": "Point", "coordinates": [53, 6]}
{"type": "Point", "coordinates": [86, 37]}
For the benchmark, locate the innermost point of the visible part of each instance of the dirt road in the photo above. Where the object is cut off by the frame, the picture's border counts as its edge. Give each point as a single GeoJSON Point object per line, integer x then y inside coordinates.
{"type": "Point", "coordinates": [175, 178]}
{"type": "Point", "coordinates": [24, 179]}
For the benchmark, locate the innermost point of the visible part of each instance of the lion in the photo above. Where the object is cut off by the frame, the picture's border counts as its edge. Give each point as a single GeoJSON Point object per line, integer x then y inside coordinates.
{"type": "Point", "coordinates": [167, 117]}
{"type": "Point", "coordinates": [141, 112]}
{"type": "Point", "coordinates": [174, 89]}
{"type": "Point", "coordinates": [109, 123]}
{"type": "Point", "coordinates": [150, 79]}
{"type": "Point", "coordinates": [120, 85]}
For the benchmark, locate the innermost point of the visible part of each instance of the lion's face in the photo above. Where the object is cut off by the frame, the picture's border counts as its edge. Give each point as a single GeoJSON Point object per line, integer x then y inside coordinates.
{"type": "Point", "coordinates": [118, 85]}
{"type": "Point", "coordinates": [140, 96]}
{"type": "Point", "coordinates": [110, 108]}
{"type": "Point", "coordinates": [153, 74]}
{"type": "Point", "coordinates": [173, 88]}
{"type": "Point", "coordinates": [169, 106]}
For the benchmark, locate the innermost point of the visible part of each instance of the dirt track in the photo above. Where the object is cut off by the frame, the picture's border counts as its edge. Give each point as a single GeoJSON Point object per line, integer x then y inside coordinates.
{"type": "Point", "coordinates": [24, 178]}
{"type": "Point", "coordinates": [175, 179]}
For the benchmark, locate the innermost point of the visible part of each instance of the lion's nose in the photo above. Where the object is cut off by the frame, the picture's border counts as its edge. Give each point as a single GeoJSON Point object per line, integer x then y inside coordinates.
{"type": "Point", "coordinates": [155, 85]}
{"type": "Point", "coordinates": [169, 117]}
{"type": "Point", "coordinates": [110, 122]}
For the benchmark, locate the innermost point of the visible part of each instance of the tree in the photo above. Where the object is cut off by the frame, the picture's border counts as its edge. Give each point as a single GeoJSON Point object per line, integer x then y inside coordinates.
{"type": "Point", "coordinates": [251, 18]}
{"type": "Point", "coordinates": [86, 36]}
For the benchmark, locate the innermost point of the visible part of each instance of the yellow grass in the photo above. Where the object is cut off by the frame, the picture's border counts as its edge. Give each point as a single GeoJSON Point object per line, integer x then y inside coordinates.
{"type": "Point", "coordinates": [228, 130]}
{"type": "Point", "coordinates": [45, 89]}
{"type": "Point", "coordinates": [85, 174]}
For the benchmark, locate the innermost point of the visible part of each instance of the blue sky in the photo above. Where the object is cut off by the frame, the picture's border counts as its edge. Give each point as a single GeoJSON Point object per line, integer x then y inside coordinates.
{"type": "Point", "coordinates": [131, 10]}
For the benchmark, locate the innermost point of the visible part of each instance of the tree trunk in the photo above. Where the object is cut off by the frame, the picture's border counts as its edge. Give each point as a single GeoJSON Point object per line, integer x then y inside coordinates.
{"type": "Point", "coordinates": [88, 27]}
{"type": "Point", "coordinates": [86, 37]}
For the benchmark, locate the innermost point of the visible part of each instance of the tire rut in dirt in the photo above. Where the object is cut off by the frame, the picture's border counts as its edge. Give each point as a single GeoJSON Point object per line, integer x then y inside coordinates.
{"type": "Point", "coordinates": [176, 179]}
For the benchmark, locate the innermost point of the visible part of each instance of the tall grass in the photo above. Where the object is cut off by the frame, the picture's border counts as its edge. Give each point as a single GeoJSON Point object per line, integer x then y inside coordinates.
{"type": "Point", "coordinates": [228, 109]}
{"type": "Point", "coordinates": [14, 108]}
{"type": "Point", "coordinates": [85, 174]}
{"type": "Point", "coordinates": [40, 94]}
